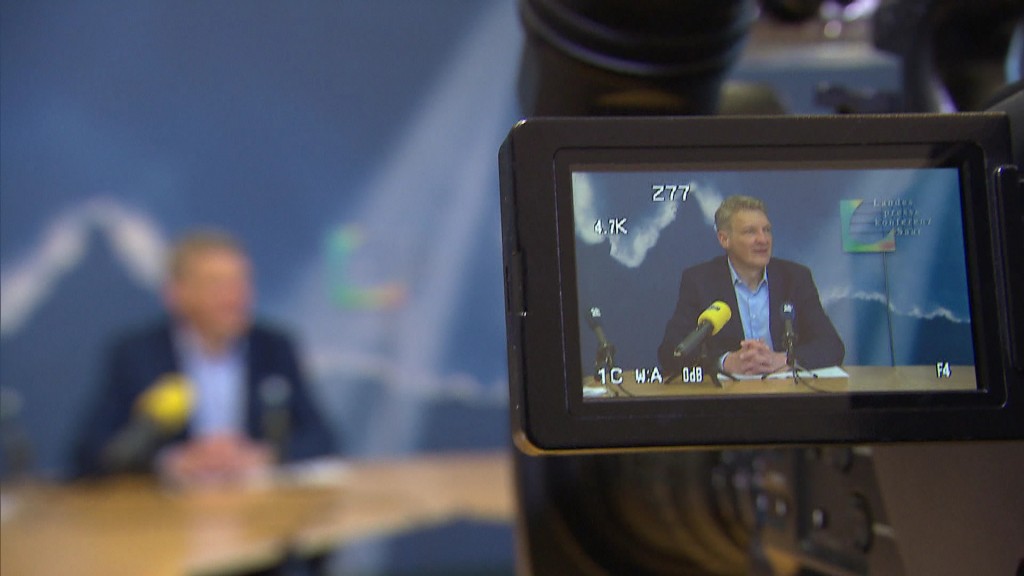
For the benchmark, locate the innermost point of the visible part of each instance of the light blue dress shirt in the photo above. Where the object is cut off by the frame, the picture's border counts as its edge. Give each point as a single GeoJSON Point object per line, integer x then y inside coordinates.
{"type": "Point", "coordinates": [219, 383]}
{"type": "Point", "coordinates": [754, 310]}
{"type": "Point", "coordinates": [753, 306]}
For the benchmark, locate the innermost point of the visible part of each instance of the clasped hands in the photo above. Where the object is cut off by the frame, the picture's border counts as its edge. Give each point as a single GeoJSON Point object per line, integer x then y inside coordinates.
{"type": "Point", "coordinates": [754, 357]}
{"type": "Point", "coordinates": [219, 460]}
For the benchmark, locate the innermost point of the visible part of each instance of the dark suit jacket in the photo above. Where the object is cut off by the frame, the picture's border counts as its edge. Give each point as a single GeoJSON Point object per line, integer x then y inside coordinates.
{"type": "Point", "coordinates": [817, 345]}
{"type": "Point", "coordinates": [140, 358]}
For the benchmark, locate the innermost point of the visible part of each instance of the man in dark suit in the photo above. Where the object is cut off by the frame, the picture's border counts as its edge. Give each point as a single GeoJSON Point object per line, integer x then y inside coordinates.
{"type": "Point", "coordinates": [251, 405]}
{"type": "Point", "coordinates": [756, 287]}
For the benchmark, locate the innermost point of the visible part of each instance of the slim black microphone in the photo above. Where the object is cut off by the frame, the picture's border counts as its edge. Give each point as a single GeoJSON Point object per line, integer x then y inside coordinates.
{"type": "Point", "coordinates": [788, 314]}
{"type": "Point", "coordinates": [790, 335]}
{"type": "Point", "coordinates": [594, 321]}
{"type": "Point", "coordinates": [604, 358]}
{"type": "Point", "coordinates": [275, 394]}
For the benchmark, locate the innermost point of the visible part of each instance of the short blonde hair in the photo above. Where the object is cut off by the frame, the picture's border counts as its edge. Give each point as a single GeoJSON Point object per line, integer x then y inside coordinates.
{"type": "Point", "coordinates": [199, 242]}
{"type": "Point", "coordinates": [732, 205]}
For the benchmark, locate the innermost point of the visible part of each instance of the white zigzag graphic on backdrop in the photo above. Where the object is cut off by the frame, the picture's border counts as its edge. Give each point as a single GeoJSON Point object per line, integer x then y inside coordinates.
{"type": "Point", "coordinates": [141, 247]}
{"type": "Point", "coordinates": [136, 240]}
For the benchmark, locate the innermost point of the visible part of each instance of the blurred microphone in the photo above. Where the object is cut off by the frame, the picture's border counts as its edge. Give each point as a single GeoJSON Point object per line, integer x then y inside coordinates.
{"type": "Point", "coordinates": [160, 412]}
{"type": "Point", "coordinates": [16, 448]}
{"type": "Point", "coordinates": [275, 396]}
{"type": "Point", "coordinates": [709, 323]}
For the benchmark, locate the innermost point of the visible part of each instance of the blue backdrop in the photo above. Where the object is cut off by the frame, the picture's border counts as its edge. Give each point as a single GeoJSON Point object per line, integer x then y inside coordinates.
{"type": "Point", "coordinates": [350, 145]}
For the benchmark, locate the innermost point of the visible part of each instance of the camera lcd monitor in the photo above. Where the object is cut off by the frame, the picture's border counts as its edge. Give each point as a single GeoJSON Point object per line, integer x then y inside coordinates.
{"type": "Point", "coordinates": [840, 278]}
{"type": "Point", "coordinates": [681, 282]}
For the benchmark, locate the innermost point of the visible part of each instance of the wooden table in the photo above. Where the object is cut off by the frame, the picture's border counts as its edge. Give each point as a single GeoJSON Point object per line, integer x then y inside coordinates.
{"type": "Point", "coordinates": [131, 526]}
{"type": "Point", "coordinates": [861, 379]}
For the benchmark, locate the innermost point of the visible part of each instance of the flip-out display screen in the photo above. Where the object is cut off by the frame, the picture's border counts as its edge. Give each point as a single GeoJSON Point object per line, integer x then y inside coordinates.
{"type": "Point", "coordinates": [814, 279]}
{"type": "Point", "coordinates": [725, 281]}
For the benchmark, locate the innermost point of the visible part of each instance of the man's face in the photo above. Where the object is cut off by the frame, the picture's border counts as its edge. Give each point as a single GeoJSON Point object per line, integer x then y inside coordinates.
{"type": "Point", "coordinates": [213, 293]}
{"type": "Point", "coordinates": [748, 239]}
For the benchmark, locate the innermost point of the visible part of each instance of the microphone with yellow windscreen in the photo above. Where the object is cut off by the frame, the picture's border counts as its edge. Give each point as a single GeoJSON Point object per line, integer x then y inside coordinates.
{"type": "Point", "coordinates": [709, 323]}
{"type": "Point", "coordinates": [160, 412]}
{"type": "Point", "coordinates": [167, 403]}
{"type": "Point", "coordinates": [717, 315]}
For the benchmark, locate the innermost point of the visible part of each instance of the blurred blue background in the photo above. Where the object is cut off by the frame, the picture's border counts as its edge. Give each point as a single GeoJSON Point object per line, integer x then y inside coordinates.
{"type": "Point", "coordinates": [350, 145]}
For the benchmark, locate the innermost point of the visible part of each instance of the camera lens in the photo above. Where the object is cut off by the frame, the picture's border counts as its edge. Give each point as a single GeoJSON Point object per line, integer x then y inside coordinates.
{"type": "Point", "coordinates": [643, 57]}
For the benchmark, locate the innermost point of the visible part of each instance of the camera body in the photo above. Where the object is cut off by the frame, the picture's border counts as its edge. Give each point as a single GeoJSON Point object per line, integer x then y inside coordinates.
{"type": "Point", "coordinates": [906, 223]}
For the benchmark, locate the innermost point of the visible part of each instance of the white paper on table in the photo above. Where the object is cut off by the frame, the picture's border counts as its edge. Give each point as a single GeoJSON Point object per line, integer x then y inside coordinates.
{"type": "Point", "coordinates": [316, 472]}
{"type": "Point", "coordinates": [829, 372]}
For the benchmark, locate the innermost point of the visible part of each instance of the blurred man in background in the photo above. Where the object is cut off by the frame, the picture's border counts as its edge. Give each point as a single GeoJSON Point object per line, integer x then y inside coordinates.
{"type": "Point", "coordinates": [206, 395]}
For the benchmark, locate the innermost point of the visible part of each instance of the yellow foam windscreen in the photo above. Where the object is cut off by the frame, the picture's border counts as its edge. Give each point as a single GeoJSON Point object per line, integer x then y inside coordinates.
{"type": "Point", "coordinates": [168, 402]}
{"type": "Point", "coordinates": [717, 315]}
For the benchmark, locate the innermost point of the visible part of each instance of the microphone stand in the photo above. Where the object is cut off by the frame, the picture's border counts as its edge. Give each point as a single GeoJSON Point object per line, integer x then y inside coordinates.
{"type": "Point", "coordinates": [605, 358]}
{"type": "Point", "coordinates": [795, 366]}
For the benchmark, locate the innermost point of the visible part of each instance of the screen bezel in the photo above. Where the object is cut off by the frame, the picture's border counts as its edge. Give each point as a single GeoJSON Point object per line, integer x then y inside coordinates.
{"type": "Point", "coordinates": [556, 415]}
{"type": "Point", "coordinates": [793, 158]}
